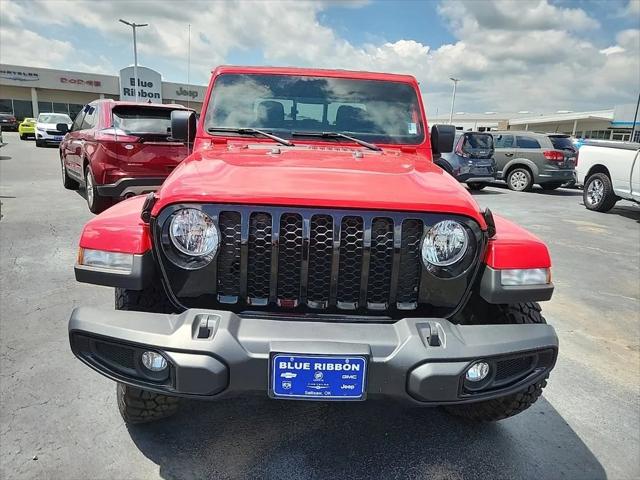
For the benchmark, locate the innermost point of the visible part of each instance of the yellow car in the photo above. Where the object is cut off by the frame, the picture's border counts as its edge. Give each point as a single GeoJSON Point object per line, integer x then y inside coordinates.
{"type": "Point", "coordinates": [27, 128]}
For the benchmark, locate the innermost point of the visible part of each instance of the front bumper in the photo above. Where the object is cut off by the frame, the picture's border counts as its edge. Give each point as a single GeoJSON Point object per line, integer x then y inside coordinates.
{"type": "Point", "coordinates": [46, 137]}
{"type": "Point", "coordinates": [131, 186]}
{"type": "Point", "coordinates": [421, 361]}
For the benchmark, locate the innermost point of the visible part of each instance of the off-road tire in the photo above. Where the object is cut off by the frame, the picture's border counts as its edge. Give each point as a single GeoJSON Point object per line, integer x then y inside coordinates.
{"type": "Point", "coordinates": [476, 186]}
{"type": "Point", "coordinates": [96, 202]}
{"type": "Point", "coordinates": [504, 407]}
{"type": "Point", "coordinates": [516, 173]}
{"type": "Point", "coordinates": [608, 199]}
{"type": "Point", "coordinates": [551, 185]}
{"type": "Point", "coordinates": [141, 406]}
{"type": "Point", "coordinates": [137, 405]}
{"type": "Point", "coordinates": [68, 182]}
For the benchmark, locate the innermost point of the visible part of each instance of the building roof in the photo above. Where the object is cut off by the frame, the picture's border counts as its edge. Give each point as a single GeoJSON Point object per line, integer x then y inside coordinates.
{"type": "Point", "coordinates": [606, 115]}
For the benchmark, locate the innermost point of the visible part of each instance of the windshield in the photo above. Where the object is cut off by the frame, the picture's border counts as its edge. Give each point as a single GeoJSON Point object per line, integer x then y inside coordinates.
{"type": "Point", "coordinates": [54, 118]}
{"type": "Point", "coordinates": [371, 110]}
{"type": "Point", "coordinates": [142, 120]}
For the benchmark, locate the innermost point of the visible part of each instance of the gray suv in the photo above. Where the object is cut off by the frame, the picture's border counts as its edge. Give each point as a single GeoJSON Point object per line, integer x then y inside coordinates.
{"type": "Point", "coordinates": [525, 158]}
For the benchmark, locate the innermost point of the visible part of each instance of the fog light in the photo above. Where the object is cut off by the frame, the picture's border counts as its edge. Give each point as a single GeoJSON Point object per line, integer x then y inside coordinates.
{"type": "Point", "coordinates": [477, 372]}
{"type": "Point", "coordinates": [154, 361]}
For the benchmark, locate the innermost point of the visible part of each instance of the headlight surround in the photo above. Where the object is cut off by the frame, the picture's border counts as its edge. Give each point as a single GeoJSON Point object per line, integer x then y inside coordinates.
{"type": "Point", "coordinates": [194, 233]}
{"type": "Point", "coordinates": [445, 244]}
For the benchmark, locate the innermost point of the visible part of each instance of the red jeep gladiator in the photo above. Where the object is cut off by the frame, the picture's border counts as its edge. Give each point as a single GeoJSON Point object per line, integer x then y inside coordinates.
{"type": "Point", "coordinates": [309, 249]}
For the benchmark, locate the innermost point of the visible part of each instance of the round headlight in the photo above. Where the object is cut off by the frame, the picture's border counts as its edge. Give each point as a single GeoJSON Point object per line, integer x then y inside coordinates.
{"type": "Point", "coordinates": [194, 233]}
{"type": "Point", "coordinates": [444, 244]}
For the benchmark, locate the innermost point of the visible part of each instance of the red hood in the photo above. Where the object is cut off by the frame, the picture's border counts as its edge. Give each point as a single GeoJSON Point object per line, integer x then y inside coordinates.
{"type": "Point", "coordinates": [316, 177]}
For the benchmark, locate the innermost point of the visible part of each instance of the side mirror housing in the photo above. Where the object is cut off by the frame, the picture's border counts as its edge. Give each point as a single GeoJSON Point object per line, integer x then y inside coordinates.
{"type": "Point", "coordinates": [62, 127]}
{"type": "Point", "coordinates": [442, 138]}
{"type": "Point", "coordinates": [183, 125]}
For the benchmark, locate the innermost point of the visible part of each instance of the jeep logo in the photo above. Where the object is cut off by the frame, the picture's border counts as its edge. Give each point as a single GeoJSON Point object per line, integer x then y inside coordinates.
{"type": "Point", "coordinates": [181, 92]}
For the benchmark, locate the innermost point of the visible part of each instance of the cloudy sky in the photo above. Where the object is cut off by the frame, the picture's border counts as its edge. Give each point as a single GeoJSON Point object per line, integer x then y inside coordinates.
{"type": "Point", "coordinates": [537, 55]}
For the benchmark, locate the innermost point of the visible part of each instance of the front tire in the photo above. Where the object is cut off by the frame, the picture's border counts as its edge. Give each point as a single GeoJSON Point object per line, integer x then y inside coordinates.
{"type": "Point", "coordinates": [141, 406]}
{"type": "Point", "coordinates": [135, 404]}
{"type": "Point", "coordinates": [23, 136]}
{"type": "Point", "coordinates": [598, 193]}
{"type": "Point", "coordinates": [519, 180]}
{"type": "Point", "coordinates": [476, 186]}
{"type": "Point", "coordinates": [509, 405]}
{"type": "Point", "coordinates": [96, 202]}
{"type": "Point", "coordinates": [39, 143]}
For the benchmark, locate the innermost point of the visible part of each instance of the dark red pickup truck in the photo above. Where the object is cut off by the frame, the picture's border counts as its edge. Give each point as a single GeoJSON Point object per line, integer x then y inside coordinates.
{"type": "Point", "coordinates": [309, 249]}
{"type": "Point", "coordinates": [119, 149]}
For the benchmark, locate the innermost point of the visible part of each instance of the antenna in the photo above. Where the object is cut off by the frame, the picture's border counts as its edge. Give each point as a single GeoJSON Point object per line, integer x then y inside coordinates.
{"type": "Point", "coordinates": [188, 82]}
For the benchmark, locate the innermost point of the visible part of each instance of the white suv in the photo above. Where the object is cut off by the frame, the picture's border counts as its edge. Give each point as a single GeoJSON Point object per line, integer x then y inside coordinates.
{"type": "Point", "coordinates": [46, 128]}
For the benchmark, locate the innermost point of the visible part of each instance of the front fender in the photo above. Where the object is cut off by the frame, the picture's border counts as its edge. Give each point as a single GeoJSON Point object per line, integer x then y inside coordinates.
{"type": "Point", "coordinates": [118, 229]}
{"type": "Point", "coordinates": [514, 248]}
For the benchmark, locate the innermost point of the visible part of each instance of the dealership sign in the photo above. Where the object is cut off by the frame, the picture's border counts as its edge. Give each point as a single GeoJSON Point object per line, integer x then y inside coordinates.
{"type": "Point", "coordinates": [149, 85]}
{"type": "Point", "coordinates": [19, 75]}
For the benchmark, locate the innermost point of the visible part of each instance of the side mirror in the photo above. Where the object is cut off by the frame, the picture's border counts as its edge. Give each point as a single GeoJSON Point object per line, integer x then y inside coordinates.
{"type": "Point", "coordinates": [442, 137]}
{"type": "Point", "coordinates": [183, 125]}
{"type": "Point", "coordinates": [62, 127]}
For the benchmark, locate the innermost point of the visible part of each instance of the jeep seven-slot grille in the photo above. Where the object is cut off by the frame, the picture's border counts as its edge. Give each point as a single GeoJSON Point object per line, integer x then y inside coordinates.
{"type": "Point", "coordinates": [320, 260]}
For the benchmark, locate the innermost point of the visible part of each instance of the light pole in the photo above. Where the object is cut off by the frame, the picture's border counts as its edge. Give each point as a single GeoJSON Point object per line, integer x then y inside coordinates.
{"type": "Point", "coordinates": [135, 52]}
{"type": "Point", "coordinates": [453, 98]}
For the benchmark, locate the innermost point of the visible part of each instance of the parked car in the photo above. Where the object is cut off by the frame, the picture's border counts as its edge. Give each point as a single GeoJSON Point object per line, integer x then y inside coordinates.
{"type": "Point", "coordinates": [8, 121]}
{"type": "Point", "coordinates": [49, 128]}
{"type": "Point", "coordinates": [471, 160]}
{"type": "Point", "coordinates": [609, 171]}
{"type": "Point", "coordinates": [527, 158]}
{"type": "Point", "coordinates": [120, 149]}
{"type": "Point", "coordinates": [310, 249]}
{"type": "Point", "coordinates": [27, 128]}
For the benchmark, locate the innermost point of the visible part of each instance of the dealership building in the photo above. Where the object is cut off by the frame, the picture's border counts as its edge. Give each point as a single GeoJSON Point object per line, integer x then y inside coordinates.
{"type": "Point", "coordinates": [613, 124]}
{"type": "Point", "coordinates": [28, 91]}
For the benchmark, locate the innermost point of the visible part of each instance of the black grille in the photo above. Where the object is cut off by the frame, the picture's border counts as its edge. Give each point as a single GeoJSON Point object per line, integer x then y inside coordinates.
{"type": "Point", "coordinates": [319, 260]}
{"type": "Point", "coordinates": [290, 259]}
{"type": "Point", "coordinates": [121, 356]}
{"type": "Point", "coordinates": [54, 132]}
{"type": "Point", "coordinates": [259, 262]}
{"type": "Point", "coordinates": [229, 257]}
{"type": "Point", "coordinates": [513, 367]}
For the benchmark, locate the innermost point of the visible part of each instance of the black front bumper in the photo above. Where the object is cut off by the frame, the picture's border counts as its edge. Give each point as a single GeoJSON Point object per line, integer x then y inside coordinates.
{"type": "Point", "coordinates": [419, 360]}
{"type": "Point", "coordinates": [130, 186]}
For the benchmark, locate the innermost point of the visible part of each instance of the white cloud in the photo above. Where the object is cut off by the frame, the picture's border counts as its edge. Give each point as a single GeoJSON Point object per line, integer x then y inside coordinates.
{"type": "Point", "coordinates": [510, 55]}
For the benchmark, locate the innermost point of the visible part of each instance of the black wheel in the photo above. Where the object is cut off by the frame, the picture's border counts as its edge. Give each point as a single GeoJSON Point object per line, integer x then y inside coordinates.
{"type": "Point", "coordinates": [519, 180]}
{"type": "Point", "coordinates": [68, 182]}
{"type": "Point", "coordinates": [23, 136]}
{"type": "Point", "coordinates": [96, 202]}
{"type": "Point", "coordinates": [551, 186]}
{"type": "Point", "coordinates": [141, 406]}
{"type": "Point", "coordinates": [476, 186]}
{"type": "Point", "coordinates": [507, 406]}
{"type": "Point", "coordinates": [137, 405]}
{"type": "Point", "coordinates": [598, 193]}
{"type": "Point", "coordinates": [39, 143]}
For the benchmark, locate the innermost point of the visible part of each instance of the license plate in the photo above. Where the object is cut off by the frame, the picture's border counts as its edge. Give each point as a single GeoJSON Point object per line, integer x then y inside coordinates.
{"type": "Point", "coordinates": [57, 139]}
{"type": "Point", "coordinates": [316, 377]}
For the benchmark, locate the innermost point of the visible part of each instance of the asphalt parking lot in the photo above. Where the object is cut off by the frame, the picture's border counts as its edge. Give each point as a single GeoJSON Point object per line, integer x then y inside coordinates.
{"type": "Point", "coordinates": [59, 419]}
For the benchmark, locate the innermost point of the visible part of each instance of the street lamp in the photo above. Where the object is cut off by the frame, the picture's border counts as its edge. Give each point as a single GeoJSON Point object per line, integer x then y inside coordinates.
{"type": "Point", "coordinates": [453, 98]}
{"type": "Point", "coordinates": [135, 52]}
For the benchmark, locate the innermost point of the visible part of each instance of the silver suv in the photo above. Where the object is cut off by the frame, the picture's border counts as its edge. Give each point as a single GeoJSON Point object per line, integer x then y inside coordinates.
{"type": "Point", "coordinates": [525, 158]}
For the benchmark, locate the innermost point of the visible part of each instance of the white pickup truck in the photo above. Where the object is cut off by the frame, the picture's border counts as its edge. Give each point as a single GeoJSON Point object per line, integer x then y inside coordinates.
{"type": "Point", "coordinates": [609, 171]}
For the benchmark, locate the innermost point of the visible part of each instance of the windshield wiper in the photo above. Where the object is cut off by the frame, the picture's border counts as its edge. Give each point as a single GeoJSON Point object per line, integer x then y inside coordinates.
{"type": "Point", "coordinates": [337, 135]}
{"type": "Point", "coordinates": [252, 131]}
